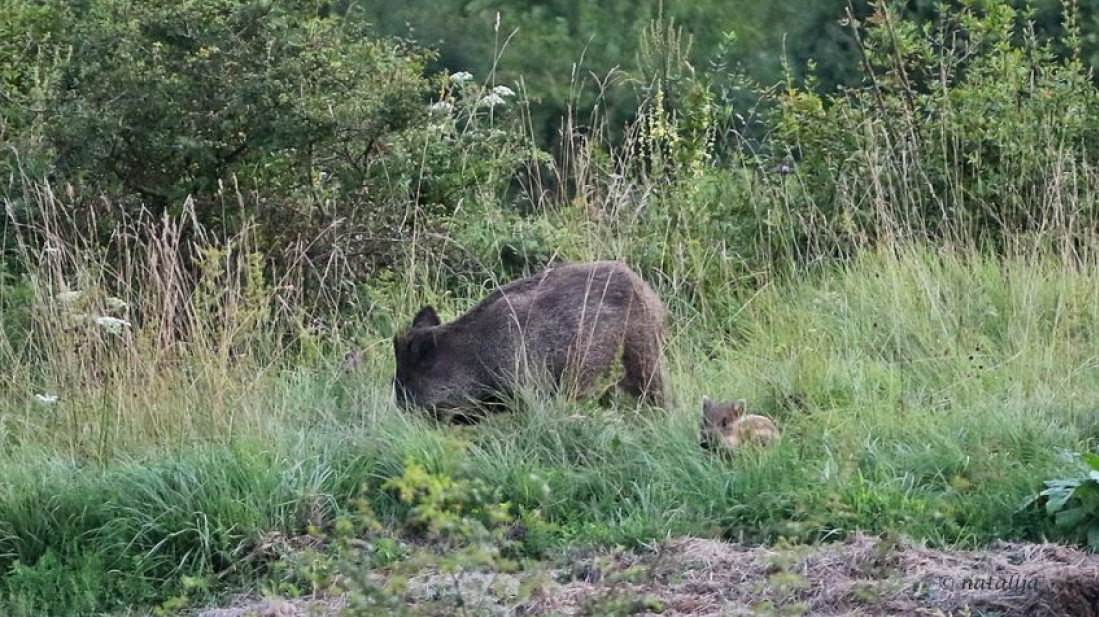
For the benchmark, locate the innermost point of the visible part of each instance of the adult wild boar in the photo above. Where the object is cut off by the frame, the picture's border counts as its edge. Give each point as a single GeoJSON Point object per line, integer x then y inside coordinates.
{"type": "Point", "coordinates": [571, 323]}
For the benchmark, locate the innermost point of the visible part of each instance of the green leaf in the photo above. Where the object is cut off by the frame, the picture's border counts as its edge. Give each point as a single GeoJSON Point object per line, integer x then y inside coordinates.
{"type": "Point", "coordinates": [1073, 517]}
{"type": "Point", "coordinates": [1057, 497]}
{"type": "Point", "coordinates": [1029, 503]}
{"type": "Point", "coordinates": [1053, 485]}
{"type": "Point", "coordinates": [1092, 460]}
{"type": "Point", "coordinates": [1087, 492]}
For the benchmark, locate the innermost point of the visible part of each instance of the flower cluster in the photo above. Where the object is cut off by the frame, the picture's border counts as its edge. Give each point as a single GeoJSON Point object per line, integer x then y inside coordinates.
{"type": "Point", "coordinates": [462, 91]}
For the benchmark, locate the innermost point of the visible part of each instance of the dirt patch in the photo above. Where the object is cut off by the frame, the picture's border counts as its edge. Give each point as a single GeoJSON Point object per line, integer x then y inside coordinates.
{"type": "Point", "coordinates": [688, 576]}
{"type": "Point", "coordinates": [864, 576]}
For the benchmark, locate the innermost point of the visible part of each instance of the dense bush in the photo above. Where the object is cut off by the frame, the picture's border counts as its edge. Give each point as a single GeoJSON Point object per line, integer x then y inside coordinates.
{"type": "Point", "coordinates": [968, 127]}
{"type": "Point", "coordinates": [347, 155]}
{"type": "Point", "coordinates": [555, 47]}
{"type": "Point", "coordinates": [244, 109]}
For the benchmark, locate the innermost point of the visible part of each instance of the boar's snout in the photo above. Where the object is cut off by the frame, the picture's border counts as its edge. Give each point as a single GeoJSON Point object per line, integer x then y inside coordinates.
{"type": "Point", "coordinates": [403, 396]}
{"type": "Point", "coordinates": [410, 393]}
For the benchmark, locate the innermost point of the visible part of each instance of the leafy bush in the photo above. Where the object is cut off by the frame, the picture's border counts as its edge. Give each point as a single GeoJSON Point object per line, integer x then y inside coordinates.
{"type": "Point", "coordinates": [1073, 503]}
{"type": "Point", "coordinates": [448, 524]}
{"type": "Point", "coordinates": [959, 129]}
{"type": "Point", "coordinates": [300, 119]}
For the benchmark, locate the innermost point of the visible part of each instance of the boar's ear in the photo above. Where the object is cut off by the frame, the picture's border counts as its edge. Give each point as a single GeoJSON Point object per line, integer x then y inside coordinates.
{"type": "Point", "coordinates": [423, 348]}
{"type": "Point", "coordinates": [426, 318]}
{"type": "Point", "coordinates": [707, 405]}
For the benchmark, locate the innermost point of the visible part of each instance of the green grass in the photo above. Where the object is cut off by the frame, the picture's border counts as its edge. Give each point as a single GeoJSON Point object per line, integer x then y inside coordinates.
{"type": "Point", "coordinates": [919, 393]}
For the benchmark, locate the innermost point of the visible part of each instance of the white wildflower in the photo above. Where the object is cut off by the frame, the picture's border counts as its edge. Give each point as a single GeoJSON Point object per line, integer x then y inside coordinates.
{"type": "Point", "coordinates": [113, 325]}
{"type": "Point", "coordinates": [492, 100]}
{"type": "Point", "coordinates": [46, 399]}
{"type": "Point", "coordinates": [68, 297]}
{"type": "Point", "coordinates": [461, 77]}
{"type": "Point", "coordinates": [51, 250]}
{"type": "Point", "coordinates": [503, 91]}
{"type": "Point", "coordinates": [443, 107]}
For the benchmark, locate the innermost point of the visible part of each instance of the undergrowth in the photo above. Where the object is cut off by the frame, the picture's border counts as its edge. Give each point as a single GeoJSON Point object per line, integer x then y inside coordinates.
{"type": "Point", "coordinates": [919, 394]}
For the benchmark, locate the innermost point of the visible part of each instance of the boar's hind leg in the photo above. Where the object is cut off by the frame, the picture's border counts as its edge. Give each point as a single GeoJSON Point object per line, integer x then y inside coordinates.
{"type": "Point", "coordinates": [644, 377]}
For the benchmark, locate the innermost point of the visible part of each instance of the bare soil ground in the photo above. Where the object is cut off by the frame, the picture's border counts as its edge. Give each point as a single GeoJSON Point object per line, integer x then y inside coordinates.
{"type": "Point", "coordinates": [863, 576]}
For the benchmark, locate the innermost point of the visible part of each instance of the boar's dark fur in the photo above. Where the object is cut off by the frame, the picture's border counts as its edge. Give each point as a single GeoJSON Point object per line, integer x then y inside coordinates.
{"type": "Point", "coordinates": [570, 323]}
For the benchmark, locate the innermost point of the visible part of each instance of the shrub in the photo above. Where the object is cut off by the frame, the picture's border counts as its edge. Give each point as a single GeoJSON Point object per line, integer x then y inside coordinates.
{"type": "Point", "coordinates": [297, 118]}
{"type": "Point", "coordinates": [1073, 503]}
{"type": "Point", "coordinates": [959, 130]}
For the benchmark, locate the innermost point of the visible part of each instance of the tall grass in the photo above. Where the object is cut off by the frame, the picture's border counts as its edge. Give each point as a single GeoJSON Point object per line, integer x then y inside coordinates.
{"type": "Point", "coordinates": [158, 337]}
{"type": "Point", "coordinates": [919, 392]}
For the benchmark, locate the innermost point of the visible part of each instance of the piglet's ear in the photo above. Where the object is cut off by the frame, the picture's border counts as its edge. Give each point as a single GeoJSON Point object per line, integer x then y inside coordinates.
{"type": "Point", "coordinates": [739, 408]}
{"type": "Point", "coordinates": [426, 318]}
